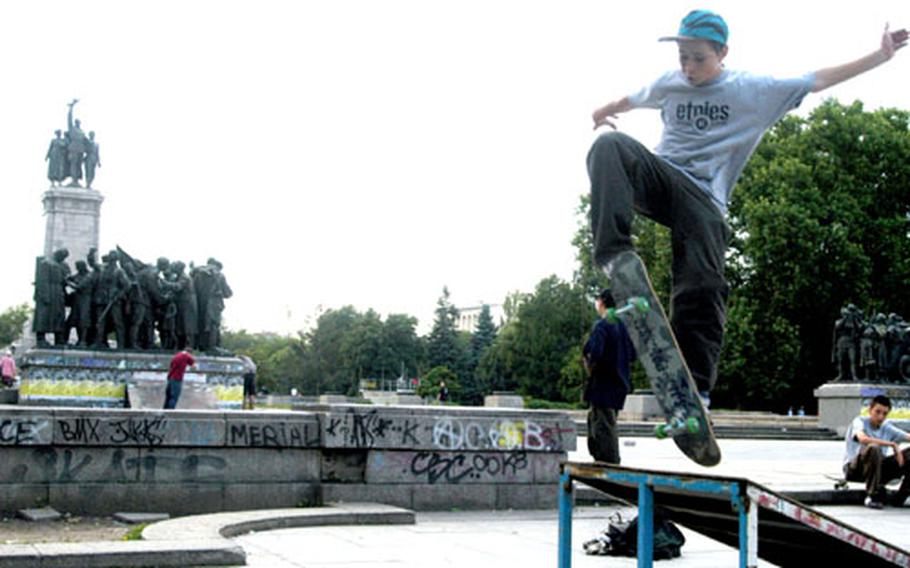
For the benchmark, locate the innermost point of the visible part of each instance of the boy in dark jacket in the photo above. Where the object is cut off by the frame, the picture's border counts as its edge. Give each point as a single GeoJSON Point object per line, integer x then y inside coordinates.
{"type": "Point", "coordinates": [607, 357]}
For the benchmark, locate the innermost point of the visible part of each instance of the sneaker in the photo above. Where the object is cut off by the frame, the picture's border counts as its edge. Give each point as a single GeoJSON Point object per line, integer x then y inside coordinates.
{"type": "Point", "coordinates": [873, 503]}
{"type": "Point", "coordinates": [705, 397]}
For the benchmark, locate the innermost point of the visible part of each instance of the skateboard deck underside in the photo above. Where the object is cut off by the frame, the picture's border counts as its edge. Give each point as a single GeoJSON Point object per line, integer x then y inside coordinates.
{"type": "Point", "coordinates": [662, 360]}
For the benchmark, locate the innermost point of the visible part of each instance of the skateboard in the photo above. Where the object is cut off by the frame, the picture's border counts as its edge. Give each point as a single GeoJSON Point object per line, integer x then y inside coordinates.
{"type": "Point", "coordinates": [840, 482]}
{"type": "Point", "coordinates": [687, 421]}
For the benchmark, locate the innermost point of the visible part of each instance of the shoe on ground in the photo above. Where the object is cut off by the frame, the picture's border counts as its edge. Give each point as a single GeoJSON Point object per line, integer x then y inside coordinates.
{"type": "Point", "coordinates": [873, 503]}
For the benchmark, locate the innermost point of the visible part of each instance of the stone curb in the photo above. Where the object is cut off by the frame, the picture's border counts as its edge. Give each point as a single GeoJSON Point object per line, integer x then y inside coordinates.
{"type": "Point", "coordinates": [201, 540]}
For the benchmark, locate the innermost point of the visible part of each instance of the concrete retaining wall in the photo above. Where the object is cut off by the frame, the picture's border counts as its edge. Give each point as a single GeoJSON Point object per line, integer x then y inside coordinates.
{"type": "Point", "coordinates": [99, 461]}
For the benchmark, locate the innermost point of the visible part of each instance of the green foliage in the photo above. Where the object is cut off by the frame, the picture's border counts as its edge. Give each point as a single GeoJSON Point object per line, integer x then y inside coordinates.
{"type": "Point", "coordinates": [280, 359]}
{"type": "Point", "coordinates": [430, 383]}
{"type": "Point", "coordinates": [540, 404]}
{"type": "Point", "coordinates": [821, 219]}
{"type": "Point", "coordinates": [344, 347]}
{"type": "Point", "coordinates": [474, 385]}
{"type": "Point", "coordinates": [572, 376]}
{"type": "Point", "coordinates": [135, 532]}
{"type": "Point", "coordinates": [12, 321]}
{"type": "Point", "coordinates": [443, 349]}
{"type": "Point", "coordinates": [530, 351]}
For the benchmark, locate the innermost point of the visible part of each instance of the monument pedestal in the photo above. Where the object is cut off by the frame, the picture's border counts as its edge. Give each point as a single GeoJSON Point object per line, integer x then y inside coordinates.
{"type": "Point", "coordinates": [72, 219]}
{"type": "Point", "coordinates": [840, 402]}
{"type": "Point", "coordinates": [504, 399]}
{"type": "Point", "coordinates": [89, 378]}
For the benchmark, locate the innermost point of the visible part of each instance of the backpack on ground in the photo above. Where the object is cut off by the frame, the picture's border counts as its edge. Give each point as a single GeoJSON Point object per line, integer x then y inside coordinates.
{"type": "Point", "coordinates": [621, 539]}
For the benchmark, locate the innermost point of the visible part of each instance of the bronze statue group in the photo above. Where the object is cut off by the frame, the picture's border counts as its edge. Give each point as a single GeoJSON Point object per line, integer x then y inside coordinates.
{"type": "Point", "coordinates": [875, 350]}
{"type": "Point", "coordinates": [72, 151]}
{"type": "Point", "coordinates": [145, 306]}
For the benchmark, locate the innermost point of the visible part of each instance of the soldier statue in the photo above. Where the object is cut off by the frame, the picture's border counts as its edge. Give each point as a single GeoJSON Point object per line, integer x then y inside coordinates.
{"type": "Point", "coordinates": [187, 308]}
{"type": "Point", "coordinates": [110, 292]}
{"type": "Point", "coordinates": [56, 159]}
{"type": "Point", "coordinates": [847, 332]}
{"type": "Point", "coordinates": [211, 291]}
{"type": "Point", "coordinates": [78, 144]}
{"type": "Point", "coordinates": [92, 159]}
{"type": "Point", "coordinates": [870, 352]}
{"type": "Point", "coordinates": [50, 298]}
{"type": "Point", "coordinates": [82, 285]}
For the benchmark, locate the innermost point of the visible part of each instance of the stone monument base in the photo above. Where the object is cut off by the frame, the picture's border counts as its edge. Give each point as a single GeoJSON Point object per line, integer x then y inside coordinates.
{"type": "Point", "coordinates": [839, 402]}
{"type": "Point", "coordinates": [9, 396]}
{"type": "Point", "coordinates": [504, 400]}
{"type": "Point", "coordinates": [99, 378]}
{"type": "Point", "coordinates": [641, 406]}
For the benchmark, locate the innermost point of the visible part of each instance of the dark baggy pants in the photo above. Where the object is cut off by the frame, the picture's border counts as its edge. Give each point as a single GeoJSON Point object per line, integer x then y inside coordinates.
{"type": "Point", "coordinates": [603, 437]}
{"type": "Point", "coordinates": [626, 177]}
{"type": "Point", "coordinates": [172, 393]}
{"type": "Point", "coordinates": [870, 466]}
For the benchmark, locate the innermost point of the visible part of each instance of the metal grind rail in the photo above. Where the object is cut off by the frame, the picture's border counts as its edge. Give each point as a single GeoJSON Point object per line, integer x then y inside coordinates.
{"type": "Point", "coordinates": [734, 511]}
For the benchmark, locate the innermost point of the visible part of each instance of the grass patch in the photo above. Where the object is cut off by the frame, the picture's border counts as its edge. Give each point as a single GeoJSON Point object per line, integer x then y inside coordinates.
{"type": "Point", "coordinates": [135, 533]}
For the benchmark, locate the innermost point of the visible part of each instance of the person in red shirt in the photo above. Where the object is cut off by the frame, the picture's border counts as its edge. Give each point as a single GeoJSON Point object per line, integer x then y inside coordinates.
{"type": "Point", "coordinates": [179, 364]}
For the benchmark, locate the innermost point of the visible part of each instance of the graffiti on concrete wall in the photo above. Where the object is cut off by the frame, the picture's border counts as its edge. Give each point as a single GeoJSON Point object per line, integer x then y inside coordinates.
{"type": "Point", "coordinates": [273, 435]}
{"type": "Point", "coordinates": [374, 429]}
{"type": "Point", "coordinates": [436, 467]}
{"type": "Point", "coordinates": [24, 431]}
{"type": "Point", "coordinates": [454, 434]}
{"type": "Point", "coordinates": [58, 465]}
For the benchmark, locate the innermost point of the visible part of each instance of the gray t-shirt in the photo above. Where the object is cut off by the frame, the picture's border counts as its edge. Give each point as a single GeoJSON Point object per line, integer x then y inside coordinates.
{"type": "Point", "coordinates": [711, 130]}
{"type": "Point", "coordinates": [887, 432]}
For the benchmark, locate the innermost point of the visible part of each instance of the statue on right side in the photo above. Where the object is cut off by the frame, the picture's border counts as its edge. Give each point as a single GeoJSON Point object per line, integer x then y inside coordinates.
{"type": "Point", "coordinates": [870, 349]}
{"type": "Point", "coordinates": [847, 332]}
{"type": "Point", "coordinates": [92, 159]}
{"type": "Point", "coordinates": [211, 291]}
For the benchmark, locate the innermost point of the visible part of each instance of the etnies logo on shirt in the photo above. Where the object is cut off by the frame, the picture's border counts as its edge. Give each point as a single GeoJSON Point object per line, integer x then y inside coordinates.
{"type": "Point", "coordinates": [702, 115]}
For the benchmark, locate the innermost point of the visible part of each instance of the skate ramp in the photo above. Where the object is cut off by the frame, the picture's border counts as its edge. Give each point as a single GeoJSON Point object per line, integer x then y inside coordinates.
{"type": "Point", "coordinates": [789, 532]}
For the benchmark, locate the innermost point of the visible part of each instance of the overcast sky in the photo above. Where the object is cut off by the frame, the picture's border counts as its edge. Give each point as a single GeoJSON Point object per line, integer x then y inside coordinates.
{"type": "Point", "coordinates": [363, 152]}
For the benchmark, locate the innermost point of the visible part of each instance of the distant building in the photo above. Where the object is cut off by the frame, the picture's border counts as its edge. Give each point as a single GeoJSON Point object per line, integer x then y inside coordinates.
{"type": "Point", "coordinates": [469, 316]}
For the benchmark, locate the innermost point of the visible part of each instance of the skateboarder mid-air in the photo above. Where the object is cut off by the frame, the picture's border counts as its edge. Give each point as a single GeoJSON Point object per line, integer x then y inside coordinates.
{"type": "Point", "coordinates": [713, 119]}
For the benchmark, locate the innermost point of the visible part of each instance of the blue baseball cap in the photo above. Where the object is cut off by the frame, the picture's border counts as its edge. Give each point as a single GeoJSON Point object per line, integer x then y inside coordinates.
{"type": "Point", "coordinates": [701, 24]}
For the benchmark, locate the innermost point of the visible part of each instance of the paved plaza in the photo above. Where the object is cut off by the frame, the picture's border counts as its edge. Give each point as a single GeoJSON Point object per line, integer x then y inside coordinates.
{"type": "Point", "coordinates": [529, 538]}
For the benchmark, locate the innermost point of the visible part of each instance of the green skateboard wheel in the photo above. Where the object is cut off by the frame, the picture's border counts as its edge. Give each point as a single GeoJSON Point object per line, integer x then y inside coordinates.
{"type": "Point", "coordinates": [677, 426]}
{"type": "Point", "coordinates": [641, 304]}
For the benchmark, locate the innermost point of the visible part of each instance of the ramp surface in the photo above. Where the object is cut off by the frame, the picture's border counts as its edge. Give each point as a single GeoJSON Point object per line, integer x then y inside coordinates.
{"type": "Point", "coordinates": [789, 533]}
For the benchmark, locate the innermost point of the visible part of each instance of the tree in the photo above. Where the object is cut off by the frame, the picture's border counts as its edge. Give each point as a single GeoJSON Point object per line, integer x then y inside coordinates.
{"type": "Point", "coordinates": [429, 384]}
{"type": "Point", "coordinates": [11, 322]}
{"type": "Point", "coordinates": [531, 350]}
{"type": "Point", "coordinates": [473, 386]}
{"type": "Point", "coordinates": [329, 369]}
{"type": "Point", "coordinates": [820, 218]}
{"type": "Point", "coordinates": [281, 360]}
{"type": "Point", "coordinates": [402, 351]}
{"type": "Point", "coordinates": [443, 346]}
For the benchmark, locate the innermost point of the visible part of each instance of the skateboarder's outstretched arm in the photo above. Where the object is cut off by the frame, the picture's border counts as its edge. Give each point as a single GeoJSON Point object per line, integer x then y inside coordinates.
{"type": "Point", "coordinates": [891, 42]}
{"type": "Point", "coordinates": [603, 115]}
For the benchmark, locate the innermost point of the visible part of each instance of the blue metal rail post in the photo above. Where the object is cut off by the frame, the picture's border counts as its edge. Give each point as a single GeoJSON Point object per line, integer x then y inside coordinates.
{"type": "Point", "coordinates": [565, 520]}
{"type": "Point", "coordinates": [645, 525]}
{"type": "Point", "coordinates": [747, 511]}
